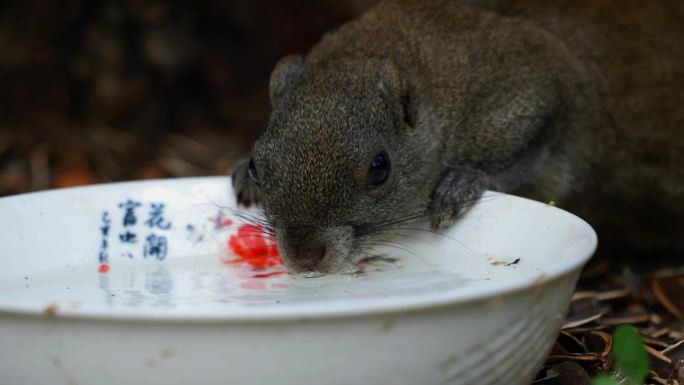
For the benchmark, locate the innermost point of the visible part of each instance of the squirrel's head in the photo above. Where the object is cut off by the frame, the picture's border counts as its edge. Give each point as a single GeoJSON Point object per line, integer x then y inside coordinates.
{"type": "Point", "coordinates": [339, 158]}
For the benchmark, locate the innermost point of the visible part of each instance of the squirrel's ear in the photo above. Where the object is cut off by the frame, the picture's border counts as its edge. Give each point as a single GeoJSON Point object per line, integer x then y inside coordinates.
{"type": "Point", "coordinates": [285, 75]}
{"type": "Point", "coordinates": [394, 85]}
{"type": "Point", "coordinates": [390, 80]}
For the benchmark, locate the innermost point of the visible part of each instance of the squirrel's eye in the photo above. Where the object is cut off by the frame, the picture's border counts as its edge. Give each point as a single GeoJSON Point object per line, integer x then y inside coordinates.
{"type": "Point", "coordinates": [378, 170]}
{"type": "Point", "coordinates": [253, 172]}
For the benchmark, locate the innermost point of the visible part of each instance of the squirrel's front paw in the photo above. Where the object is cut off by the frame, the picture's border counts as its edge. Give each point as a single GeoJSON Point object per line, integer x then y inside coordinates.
{"type": "Point", "coordinates": [458, 189]}
{"type": "Point", "coordinates": [246, 190]}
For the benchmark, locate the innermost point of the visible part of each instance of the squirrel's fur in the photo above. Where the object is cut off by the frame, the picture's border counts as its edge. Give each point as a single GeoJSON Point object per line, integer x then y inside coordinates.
{"type": "Point", "coordinates": [580, 102]}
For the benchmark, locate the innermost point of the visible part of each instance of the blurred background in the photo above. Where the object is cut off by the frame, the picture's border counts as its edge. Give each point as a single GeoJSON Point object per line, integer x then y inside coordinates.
{"type": "Point", "coordinates": [100, 90]}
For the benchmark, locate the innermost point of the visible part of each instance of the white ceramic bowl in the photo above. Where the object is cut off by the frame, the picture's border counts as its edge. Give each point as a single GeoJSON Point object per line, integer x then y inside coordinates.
{"type": "Point", "coordinates": [455, 308]}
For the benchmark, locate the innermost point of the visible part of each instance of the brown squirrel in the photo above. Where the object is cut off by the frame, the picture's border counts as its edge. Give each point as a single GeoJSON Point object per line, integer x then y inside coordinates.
{"type": "Point", "coordinates": [414, 109]}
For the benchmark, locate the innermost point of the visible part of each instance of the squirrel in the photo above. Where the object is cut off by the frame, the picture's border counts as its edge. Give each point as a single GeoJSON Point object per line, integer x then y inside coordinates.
{"type": "Point", "coordinates": [416, 108]}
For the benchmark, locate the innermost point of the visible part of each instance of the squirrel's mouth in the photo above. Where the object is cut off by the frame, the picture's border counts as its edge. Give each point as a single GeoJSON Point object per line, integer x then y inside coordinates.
{"type": "Point", "coordinates": [328, 250]}
{"type": "Point", "coordinates": [331, 264]}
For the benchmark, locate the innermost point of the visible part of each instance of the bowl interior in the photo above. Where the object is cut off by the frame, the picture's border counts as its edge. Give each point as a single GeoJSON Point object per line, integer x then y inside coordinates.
{"type": "Point", "coordinates": [160, 249]}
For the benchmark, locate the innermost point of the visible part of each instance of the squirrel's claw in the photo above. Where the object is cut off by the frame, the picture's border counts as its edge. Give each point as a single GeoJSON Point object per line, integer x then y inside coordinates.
{"type": "Point", "coordinates": [455, 193]}
{"type": "Point", "coordinates": [247, 192]}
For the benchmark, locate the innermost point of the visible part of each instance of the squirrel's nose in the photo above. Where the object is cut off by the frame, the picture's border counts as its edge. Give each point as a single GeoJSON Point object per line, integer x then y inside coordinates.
{"type": "Point", "coordinates": [308, 256]}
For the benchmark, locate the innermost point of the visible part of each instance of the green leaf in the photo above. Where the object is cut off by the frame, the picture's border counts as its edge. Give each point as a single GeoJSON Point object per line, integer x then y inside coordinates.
{"type": "Point", "coordinates": [631, 358]}
{"type": "Point", "coordinates": [604, 380]}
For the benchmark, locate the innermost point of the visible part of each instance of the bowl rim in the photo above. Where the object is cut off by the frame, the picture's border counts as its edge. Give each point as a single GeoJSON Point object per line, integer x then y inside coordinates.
{"type": "Point", "coordinates": [340, 307]}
